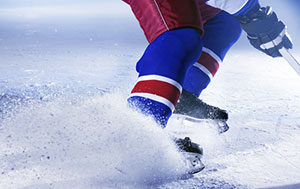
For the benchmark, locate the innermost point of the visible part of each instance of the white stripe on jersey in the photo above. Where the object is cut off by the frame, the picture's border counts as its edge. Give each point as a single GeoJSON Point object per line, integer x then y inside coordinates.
{"type": "Point", "coordinates": [230, 6]}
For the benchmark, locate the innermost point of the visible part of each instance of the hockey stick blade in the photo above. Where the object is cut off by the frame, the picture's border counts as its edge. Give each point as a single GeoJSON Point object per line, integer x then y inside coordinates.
{"type": "Point", "coordinates": [290, 59]}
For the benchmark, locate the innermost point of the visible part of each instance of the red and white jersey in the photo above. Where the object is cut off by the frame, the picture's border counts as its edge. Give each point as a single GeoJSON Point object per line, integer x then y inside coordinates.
{"type": "Point", "coordinates": [159, 16]}
{"type": "Point", "coordinates": [233, 6]}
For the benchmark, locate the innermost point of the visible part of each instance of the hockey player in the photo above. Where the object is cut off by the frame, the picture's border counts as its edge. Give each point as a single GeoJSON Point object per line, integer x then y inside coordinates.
{"type": "Point", "coordinates": [265, 32]}
{"type": "Point", "coordinates": [188, 40]}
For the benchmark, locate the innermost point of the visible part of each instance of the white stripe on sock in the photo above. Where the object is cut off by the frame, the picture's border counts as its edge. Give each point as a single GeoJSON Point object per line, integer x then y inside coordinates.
{"type": "Point", "coordinates": [212, 54]}
{"type": "Point", "coordinates": [155, 98]}
{"type": "Point", "coordinates": [161, 78]}
{"type": "Point", "coordinates": [204, 69]}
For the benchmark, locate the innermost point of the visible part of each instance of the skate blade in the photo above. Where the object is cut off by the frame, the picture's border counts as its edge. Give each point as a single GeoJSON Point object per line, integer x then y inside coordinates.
{"type": "Point", "coordinates": [194, 163]}
{"type": "Point", "coordinates": [221, 124]}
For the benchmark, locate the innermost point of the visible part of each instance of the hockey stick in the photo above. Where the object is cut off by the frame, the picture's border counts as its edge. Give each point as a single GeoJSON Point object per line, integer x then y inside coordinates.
{"type": "Point", "coordinates": [290, 59]}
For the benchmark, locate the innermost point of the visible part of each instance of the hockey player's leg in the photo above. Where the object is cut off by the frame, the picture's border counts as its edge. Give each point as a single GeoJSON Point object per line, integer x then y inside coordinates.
{"type": "Point", "coordinates": [173, 29]}
{"type": "Point", "coordinates": [162, 70]}
{"type": "Point", "coordinates": [221, 32]}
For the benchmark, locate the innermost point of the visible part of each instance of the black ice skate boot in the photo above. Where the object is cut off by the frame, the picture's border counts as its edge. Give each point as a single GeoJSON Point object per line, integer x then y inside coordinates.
{"type": "Point", "coordinates": [193, 154]}
{"type": "Point", "coordinates": [191, 106]}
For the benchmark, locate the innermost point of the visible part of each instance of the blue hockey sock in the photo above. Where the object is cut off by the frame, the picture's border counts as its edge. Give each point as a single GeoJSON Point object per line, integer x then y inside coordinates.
{"type": "Point", "coordinates": [162, 70]}
{"type": "Point", "coordinates": [221, 32]}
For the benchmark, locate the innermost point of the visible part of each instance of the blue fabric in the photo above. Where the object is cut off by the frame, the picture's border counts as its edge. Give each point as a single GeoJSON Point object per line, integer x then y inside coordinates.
{"type": "Point", "coordinates": [160, 112]}
{"type": "Point", "coordinates": [221, 32]}
{"type": "Point", "coordinates": [247, 8]}
{"type": "Point", "coordinates": [170, 55]}
{"type": "Point", "coordinates": [196, 81]}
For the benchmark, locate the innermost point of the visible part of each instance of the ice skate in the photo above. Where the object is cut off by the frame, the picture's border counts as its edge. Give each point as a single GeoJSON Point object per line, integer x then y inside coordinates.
{"type": "Point", "coordinates": [193, 154]}
{"type": "Point", "coordinates": [190, 107]}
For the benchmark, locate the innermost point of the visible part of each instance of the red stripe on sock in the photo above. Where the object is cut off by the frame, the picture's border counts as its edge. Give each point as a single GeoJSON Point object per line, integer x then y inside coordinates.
{"type": "Point", "coordinates": [160, 88]}
{"type": "Point", "coordinates": [209, 63]}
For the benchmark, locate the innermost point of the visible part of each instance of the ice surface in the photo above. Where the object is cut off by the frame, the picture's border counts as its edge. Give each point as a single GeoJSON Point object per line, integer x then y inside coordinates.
{"type": "Point", "coordinates": [98, 141]}
{"type": "Point", "coordinates": [64, 79]}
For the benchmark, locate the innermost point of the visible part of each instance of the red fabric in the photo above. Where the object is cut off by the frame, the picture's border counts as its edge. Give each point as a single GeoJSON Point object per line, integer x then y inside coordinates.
{"type": "Point", "coordinates": [209, 63]}
{"type": "Point", "coordinates": [160, 88]}
{"type": "Point", "coordinates": [159, 16]}
{"type": "Point", "coordinates": [207, 12]}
